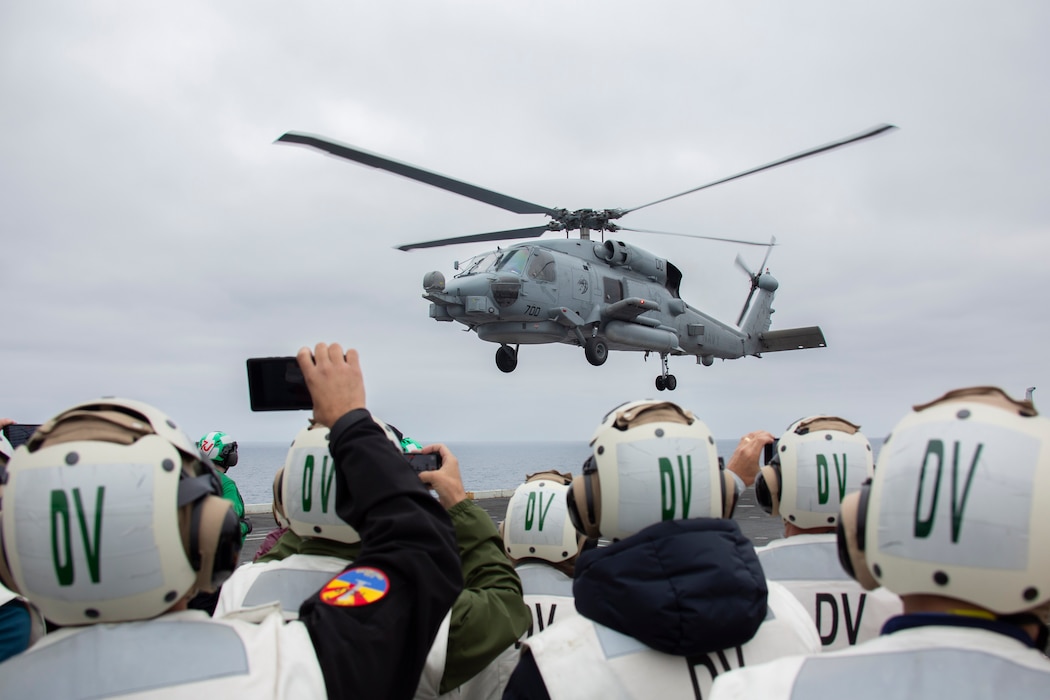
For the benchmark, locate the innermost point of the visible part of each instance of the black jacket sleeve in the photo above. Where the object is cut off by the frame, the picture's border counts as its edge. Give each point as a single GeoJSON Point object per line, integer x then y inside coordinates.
{"type": "Point", "coordinates": [377, 649]}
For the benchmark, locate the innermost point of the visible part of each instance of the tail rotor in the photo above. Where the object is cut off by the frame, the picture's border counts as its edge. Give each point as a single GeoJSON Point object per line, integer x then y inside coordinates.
{"type": "Point", "coordinates": [753, 276]}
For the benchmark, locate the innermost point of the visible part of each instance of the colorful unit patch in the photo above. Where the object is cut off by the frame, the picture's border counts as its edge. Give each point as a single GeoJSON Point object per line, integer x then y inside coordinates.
{"type": "Point", "coordinates": [359, 586]}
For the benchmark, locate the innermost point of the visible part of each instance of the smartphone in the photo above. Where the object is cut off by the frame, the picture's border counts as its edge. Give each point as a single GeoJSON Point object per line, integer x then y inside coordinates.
{"type": "Point", "coordinates": [424, 462]}
{"type": "Point", "coordinates": [769, 451]}
{"type": "Point", "coordinates": [277, 384]}
{"type": "Point", "coordinates": [18, 433]}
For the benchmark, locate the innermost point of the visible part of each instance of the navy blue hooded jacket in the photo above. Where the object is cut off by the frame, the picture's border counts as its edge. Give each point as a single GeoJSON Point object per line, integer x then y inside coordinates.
{"type": "Point", "coordinates": [680, 587]}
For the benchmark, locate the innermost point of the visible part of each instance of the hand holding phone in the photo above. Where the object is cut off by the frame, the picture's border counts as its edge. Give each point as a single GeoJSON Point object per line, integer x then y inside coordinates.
{"type": "Point", "coordinates": [424, 461]}
{"type": "Point", "coordinates": [328, 381]}
{"type": "Point", "coordinates": [334, 380]}
{"type": "Point", "coordinates": [446, 480]}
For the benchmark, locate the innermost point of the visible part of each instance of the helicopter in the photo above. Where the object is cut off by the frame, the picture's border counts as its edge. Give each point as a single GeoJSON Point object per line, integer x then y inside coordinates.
{"type": "Point", "coordinates": [602, 296]}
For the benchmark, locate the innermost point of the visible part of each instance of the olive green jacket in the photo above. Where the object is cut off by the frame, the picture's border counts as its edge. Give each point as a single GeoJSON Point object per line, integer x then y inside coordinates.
{"type": "Point", "coordinates": [488, 616]}
{"type": "Point", "coordinates": [231, 494]}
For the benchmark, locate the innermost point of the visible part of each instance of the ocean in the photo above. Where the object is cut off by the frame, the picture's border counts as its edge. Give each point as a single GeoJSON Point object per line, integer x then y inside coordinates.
{"type": "Point", "coordinates": [484, 466]}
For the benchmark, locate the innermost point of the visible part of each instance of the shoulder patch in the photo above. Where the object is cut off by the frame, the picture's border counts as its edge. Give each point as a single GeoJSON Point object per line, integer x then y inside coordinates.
{"type": "Point", "coordinates": [361, 585]}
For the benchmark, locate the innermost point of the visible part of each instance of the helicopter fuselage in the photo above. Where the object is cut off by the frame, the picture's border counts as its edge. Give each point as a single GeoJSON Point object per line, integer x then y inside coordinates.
{"type": "Point", "coordinates": [569, 291]}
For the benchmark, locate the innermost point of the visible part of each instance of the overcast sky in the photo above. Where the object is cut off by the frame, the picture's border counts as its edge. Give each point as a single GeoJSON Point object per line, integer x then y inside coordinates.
{"type": "Point", "coordinates": [154, 237]}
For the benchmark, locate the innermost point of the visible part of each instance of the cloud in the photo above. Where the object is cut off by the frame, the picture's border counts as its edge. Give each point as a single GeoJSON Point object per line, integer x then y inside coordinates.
{"type": "Point", "coordinates": [154, 238]}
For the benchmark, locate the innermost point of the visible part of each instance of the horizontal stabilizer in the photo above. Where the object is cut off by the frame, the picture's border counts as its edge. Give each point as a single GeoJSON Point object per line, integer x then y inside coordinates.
{"type": "Point", "coordinates": [791, 339]}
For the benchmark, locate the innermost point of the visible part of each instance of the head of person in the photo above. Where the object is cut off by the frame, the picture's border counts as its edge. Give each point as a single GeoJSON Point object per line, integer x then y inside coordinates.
{"type": "Point", "coordinates": [537, 526]}
{"type": "Point", "coordinates": [956, 511]}
{"type": "Point", "coordinates": [110, 515]}
{"type": "Point", "coordinates": [815, 464]}
{"type": "Point", "coordinates": [305, 493]}
{"type": "Point", "coordinates": [651, 461]}
{"type": "Point", "coordinates": [220, 449]}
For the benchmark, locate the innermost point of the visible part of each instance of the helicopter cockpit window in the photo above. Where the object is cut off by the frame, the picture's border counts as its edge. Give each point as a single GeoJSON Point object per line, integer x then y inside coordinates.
{"type": "Point", "coordinates": [541, 266]}
{"type": "Point", "coordinates": [515, 262]}
{"type": "Point", "coordinates": [480, 263]}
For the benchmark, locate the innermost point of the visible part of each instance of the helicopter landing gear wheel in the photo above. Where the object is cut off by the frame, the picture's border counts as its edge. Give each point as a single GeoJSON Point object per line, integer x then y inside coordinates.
{"type": "Point", "coordinates": [665, 380]}
{"type": "Point", "coordinates": [596, 351]}
{"type": "Point", "coordinates": [506, 358]}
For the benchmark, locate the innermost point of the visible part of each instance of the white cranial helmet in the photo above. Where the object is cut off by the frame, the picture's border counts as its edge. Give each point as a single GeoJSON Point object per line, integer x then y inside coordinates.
{"type": "Point", "coordinates": [537, 524]}
{"type": "Point", "coordinates": [818, 461]}
{"type": "Point", "coordinates": [958, 505]}
{"type": "Point", "coordinates": [308, 486]}
{"type": "Point", "coordinates": [109, 515]}
{"type": "Point", "coordinates": [652, 461]}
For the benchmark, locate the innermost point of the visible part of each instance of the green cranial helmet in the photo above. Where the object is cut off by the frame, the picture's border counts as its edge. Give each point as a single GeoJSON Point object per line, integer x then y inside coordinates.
{"type": "Point", "coordinates": [410, 445]}
{"type": "Point", "coordinates": [220, 448]}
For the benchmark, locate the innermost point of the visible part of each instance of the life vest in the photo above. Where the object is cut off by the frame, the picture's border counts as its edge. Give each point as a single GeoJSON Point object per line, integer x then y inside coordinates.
{"type": "Point", "coordinates": [922, 662]}
{"type": "Point", "coordinates": [843, 612]}
{"type": "Point", "coordinates": [579, 658]}
{"type": "Point", "coordinates": [175, 655]}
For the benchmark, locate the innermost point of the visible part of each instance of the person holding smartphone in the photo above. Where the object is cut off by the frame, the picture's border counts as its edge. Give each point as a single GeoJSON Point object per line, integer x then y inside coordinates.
{"type": "Point", "coordinates": [487, 617]}
{"type": "Point", "coordinates": [139, 525]}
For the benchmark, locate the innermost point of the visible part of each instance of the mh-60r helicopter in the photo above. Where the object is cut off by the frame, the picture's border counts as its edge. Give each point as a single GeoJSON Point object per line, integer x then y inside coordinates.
{"type": "Point", "coordinates": [601, 296]}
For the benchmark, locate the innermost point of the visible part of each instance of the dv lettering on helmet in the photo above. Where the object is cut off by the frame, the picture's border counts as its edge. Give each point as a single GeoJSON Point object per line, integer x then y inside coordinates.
{"type": "Point", "coordinates": [531, 509]}
{"type": "Point", "coordinates": [824, 477]}
{"type": "Point", "coordinates": [935, 451]}
{"type": "Point", "coordinates": [325, 481]}
{"type": "Point", "coordinates": [90, 530]}
{"type": "Point", "coordinates": [668, 500]}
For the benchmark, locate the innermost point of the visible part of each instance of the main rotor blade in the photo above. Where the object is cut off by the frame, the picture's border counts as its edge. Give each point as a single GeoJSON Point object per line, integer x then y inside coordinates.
{"type": "Point", "coordinates": [747, 304]}
{"type": "Point", "coordinates": [874, 131]}
{"type": "Point", "coordinates": [341, 150]}
{"type": "Point", "coordinates": [743, 266]}
{"type": "Point", "coordinates": [694, 235]}
{"type": "Point", "coordinates": [533, 232]}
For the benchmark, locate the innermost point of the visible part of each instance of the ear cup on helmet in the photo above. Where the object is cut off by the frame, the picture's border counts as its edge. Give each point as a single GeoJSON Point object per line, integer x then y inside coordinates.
{"type": "Point", "coordinates": [850, 536]}
{"type": "Point", "coordinates": [218, 541]}
{"type": "Point", "coordinates": [279, 516]}
{"type": "Point", "coordinates": [767, 488]}
{"type": "Point", "coordinates": [584, 500]}
{"type": "Point", "coordinates": [228, 456]}
{"type": "Point", "coordinates": [729, 495]}
{"type": "Point", "coordinates": [210, 530]}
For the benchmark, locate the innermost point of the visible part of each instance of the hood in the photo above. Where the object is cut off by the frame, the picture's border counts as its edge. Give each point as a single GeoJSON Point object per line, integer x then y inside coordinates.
{"type": "Point", "coordinates": [681, 587]}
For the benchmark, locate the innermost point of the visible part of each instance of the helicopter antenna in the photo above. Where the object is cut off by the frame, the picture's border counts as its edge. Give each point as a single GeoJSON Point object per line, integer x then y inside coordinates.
{"type": "Point", "coordinates": [754, 276]}
{"type": "Point", "coordinates": [874, 131]}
